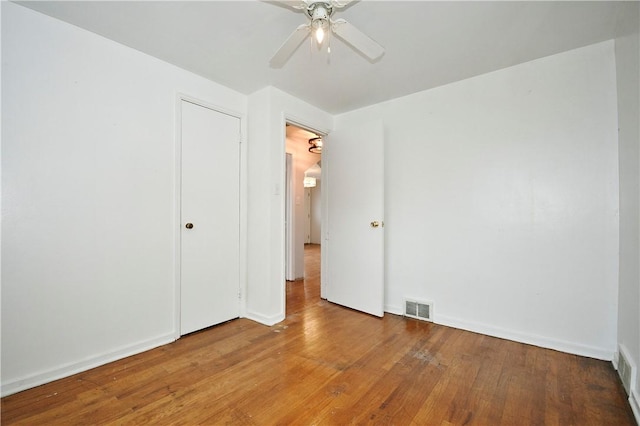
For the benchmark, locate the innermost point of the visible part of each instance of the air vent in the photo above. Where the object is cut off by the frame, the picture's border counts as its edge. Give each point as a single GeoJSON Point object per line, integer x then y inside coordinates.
{"type": "Point", "coordinates": [418, 309]}
{"type": "Point", "coordinates": [626, 370]}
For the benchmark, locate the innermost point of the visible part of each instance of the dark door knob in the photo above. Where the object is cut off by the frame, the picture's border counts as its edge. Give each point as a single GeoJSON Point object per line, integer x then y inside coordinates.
{"type": "Point", "coordinates": [189, 225]}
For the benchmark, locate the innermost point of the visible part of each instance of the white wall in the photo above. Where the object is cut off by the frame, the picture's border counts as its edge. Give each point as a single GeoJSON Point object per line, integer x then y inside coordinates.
{"type": "Point", "coordinates": [269, 110]}
{"type": "Point", "coordinates": [88, 225]}
{"type": "Point", "coordinates": [316, 212]}
{"type": "Point", "coordinates": [627, 47]}
{"type": "Point", "coordinates": [501, 201]}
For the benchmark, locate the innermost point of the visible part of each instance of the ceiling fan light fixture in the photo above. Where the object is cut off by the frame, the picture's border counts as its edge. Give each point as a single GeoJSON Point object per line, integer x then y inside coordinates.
{"type": "Point", "coordinates": [316, 145]}
{"type": "Point", "coordinates": [319, 34]}
{"type": "Point", "coordinates": [322, 26]}
{"type": "Point", "coordinates": [319, 26]}
{"type": "Point", "coordinates": [320, 13]}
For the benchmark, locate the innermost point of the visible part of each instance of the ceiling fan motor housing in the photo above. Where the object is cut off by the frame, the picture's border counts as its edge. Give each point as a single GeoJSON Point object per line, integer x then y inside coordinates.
{"type": "Point", "coordinates": [319, 11]}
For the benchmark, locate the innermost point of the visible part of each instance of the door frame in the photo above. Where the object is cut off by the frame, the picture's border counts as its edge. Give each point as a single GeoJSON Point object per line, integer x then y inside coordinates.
{"type": "Point", "coordinates": [287, 118]}
{"type": "Point", "coordinates": [177, 203]}
{"type": "Point", "coordinates": [289, 259]}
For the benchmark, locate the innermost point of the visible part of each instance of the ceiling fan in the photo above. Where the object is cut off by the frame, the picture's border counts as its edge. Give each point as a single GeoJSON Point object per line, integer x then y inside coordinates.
{"type": "Point", "coordinates": [319, 13]}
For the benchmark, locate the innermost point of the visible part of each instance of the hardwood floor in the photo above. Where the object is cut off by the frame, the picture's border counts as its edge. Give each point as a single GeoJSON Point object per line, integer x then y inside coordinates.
{"type": "Point", "coordinates": [330, 365]}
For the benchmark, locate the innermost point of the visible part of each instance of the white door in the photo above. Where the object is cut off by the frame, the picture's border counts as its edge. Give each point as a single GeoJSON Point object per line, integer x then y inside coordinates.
{"type": "Point", "coordinates": [354, 158]}
{"type": "Point", "coordinates": [210, 197]}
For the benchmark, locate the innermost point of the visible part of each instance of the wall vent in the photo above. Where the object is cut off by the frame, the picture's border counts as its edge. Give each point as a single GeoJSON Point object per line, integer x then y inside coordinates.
{"type": "Point", "coordinates": [626, 370]}
{"type": "Point", "coordinates": [418, 309]}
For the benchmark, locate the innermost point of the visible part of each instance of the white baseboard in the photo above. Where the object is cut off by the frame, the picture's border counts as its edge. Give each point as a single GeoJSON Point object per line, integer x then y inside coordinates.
{"type": "Point", "coordinates": [634, 401]}
{"type": "Point", "coordinates": [70, 369]}
{"type": "Point", "coordinates": [531, 339]}
{"type": "Point", "coordinates": [395, 310]}
{"type": "Point", "coordinates": [266, 320]}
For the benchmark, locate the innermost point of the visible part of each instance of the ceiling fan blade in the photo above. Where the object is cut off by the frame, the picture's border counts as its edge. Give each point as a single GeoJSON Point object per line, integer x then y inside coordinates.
{"type": "Point", "coordinates": [356, 38]}
{"type": "Point", "coordinates": [340, 3]}
{"type": "Point", "coordinates": [289, 46]}
{"type": "Point", "coordinates": [292, 4]}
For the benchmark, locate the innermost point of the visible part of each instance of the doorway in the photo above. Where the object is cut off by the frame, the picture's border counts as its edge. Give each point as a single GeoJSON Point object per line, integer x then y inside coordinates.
{"type": "Point", "coordinates": [306, 292]}
{"type": "Point", "coordinates": [352, 269]}
{"type": "Point", "coordinates": [303, 207]}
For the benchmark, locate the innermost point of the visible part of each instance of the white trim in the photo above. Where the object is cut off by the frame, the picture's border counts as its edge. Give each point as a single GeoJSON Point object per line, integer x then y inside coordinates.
{"type": "Point", "coordinates": [531, 339]}
{"type": "Point", "coordinates": [209, 105]}
{"type": "Point", "coordinates": [634, 402]}
{"type": "Point", "coordinates": [243, 219]}
{"type": "Point", "coordinates": [67, 370]}
{"type": "Point", "coordinates": [289, 255]}
{"type": "Point", "coordinates": [324, 228]}
{"type": "Point", "coordinates": [325, 281]}
{"type": "Point", "coordinates": [395, 310]}
{"type": "Point", "coordinates": [177, 219]}
{"type": "Point", "coordinates": [282, 276]}
{"type": "Point", "coordinates": [288, 118]}
{"type": "Point", "coordinates": [265, 320]}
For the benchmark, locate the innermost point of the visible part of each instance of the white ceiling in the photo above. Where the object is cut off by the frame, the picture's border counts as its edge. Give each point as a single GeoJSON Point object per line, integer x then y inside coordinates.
{"type": "Point", "coordinates": [428, 44]}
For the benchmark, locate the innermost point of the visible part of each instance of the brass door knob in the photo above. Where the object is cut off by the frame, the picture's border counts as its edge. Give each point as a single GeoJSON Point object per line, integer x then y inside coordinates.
{"type": "Point", "coordinates": [375, 224]}
{"type": "Point", "coordinates": [189, 225]}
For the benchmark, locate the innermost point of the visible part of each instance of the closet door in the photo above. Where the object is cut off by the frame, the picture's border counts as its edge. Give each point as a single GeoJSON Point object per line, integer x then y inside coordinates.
{"type": "Point", "coordinates": [210, 199]}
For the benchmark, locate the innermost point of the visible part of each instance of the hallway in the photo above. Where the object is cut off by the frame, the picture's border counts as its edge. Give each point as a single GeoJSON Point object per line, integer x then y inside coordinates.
{"type": "Point", "coordinates": [305, 292]}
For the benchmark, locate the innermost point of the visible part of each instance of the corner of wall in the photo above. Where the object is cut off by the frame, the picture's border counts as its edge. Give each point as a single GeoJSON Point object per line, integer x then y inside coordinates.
{"type": "Point", "coordinates": [265, 320]}
{"type": "Point", "coordinates": [627, 55]}
{"type": "Point", "coordinates": [268, 109]}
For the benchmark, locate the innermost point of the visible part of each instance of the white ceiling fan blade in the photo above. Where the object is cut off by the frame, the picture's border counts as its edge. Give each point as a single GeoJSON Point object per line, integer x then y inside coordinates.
{"type": "Point", "coordinates": [356, 38]}
{"type": "Point", "coordinates": [292, 4]}
{"type": "Point", "coordinates": [340, 3]}
{"type": "Point", "coordinates": [289, 46]}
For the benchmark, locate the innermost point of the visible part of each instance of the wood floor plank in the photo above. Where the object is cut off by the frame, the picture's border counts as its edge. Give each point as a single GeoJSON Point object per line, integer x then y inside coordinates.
{"type": "Point", "coordinates": [329, 365]}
